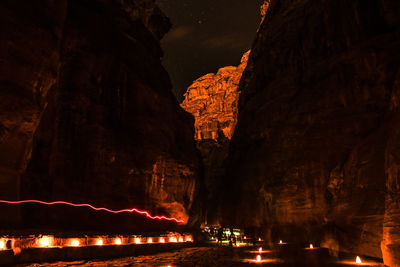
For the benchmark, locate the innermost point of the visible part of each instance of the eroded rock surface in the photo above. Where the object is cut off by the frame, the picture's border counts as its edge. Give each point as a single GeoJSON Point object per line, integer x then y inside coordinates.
{"type": "Point", "coordinates": [212, 100]}
{"type": "Point", "coordinates": [88, 108]}
{"type": "Point", "coordinates": [311, 158]}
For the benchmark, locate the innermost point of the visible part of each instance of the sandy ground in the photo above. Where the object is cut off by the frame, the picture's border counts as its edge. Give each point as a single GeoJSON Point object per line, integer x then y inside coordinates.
{"type": "Point", "coordinates": [209, 256]}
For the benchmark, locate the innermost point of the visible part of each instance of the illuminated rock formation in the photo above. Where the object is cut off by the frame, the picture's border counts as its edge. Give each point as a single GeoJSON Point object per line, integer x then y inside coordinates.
{"type": "Point", "coordinates": [317, 110]}
{"type": "Point", "coordinates": [264, 8]}
{"type": "Point", "coordinates": [212, 100]}
{"type": "Point", "coordinates": [88, 108]}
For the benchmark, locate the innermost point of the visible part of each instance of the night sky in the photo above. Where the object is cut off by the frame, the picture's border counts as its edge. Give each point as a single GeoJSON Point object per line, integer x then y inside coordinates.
{"type": "Point", "coordinates": [206, 35]}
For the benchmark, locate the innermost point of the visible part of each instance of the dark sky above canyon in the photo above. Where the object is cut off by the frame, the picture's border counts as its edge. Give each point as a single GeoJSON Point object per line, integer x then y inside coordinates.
{"type": "Point", "coordinates": [206, 35]}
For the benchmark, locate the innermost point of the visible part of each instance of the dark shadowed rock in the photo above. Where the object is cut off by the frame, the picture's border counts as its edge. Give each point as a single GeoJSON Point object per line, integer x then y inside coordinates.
{"type": "Point", "coordinates": [311, 158]}
{"type": "Point", "coordinates": [87, 85]}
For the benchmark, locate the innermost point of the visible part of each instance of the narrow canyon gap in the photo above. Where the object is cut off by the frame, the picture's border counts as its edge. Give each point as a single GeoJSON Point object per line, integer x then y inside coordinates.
{"type": "Point", "coordinates": [299, 141]}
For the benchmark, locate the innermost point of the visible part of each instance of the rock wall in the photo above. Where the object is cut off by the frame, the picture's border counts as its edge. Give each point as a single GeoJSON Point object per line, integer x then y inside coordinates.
{"type": "Point", "coordinates": [313, 157]}
{"type": "Point", "coordinates": [29, 61]}
{"type": "Point", "coordinates": [212, 100]}
{"type": "Point", "coordinates": [89, 115]}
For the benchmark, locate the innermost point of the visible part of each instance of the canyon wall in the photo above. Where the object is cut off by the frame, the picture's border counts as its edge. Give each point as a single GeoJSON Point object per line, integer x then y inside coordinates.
{"type": "Point", "coordinates": [87, 115]}
{"type": "Point", "coordinates": [314, 155]}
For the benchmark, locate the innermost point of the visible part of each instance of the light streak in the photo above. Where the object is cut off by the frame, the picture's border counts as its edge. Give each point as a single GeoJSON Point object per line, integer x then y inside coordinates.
{"type": "Point", "coordinates": [133, 210]}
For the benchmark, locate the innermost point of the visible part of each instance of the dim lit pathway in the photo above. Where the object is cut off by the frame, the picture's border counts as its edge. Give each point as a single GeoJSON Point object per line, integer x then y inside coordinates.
{"type": "Point", "coordinates": [214, 256]}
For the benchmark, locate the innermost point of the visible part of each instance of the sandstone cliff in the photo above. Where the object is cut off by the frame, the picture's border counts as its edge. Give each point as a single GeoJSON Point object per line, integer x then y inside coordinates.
{"type": "Point", "coordinates": [87, 114]}
{"type": "Point", "coordinates": [212, 100]}
{"type": "Point", "coordinates": [314, 157]}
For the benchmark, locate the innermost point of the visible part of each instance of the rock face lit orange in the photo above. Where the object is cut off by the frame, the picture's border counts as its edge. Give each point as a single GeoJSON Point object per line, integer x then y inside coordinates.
{"type": "Point", "coordinates": [212, 100]}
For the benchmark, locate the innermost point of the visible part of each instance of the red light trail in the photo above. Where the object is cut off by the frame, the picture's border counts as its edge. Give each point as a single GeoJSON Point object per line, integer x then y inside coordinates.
{"type": "Point", "coordinates": [133, 210]}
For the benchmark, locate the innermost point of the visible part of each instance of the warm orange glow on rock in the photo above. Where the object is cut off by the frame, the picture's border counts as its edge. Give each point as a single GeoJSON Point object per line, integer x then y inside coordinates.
{"type": "Point", "coordinates": [358, 260]}
{"type": "Point", "coordinates": [213, 99]}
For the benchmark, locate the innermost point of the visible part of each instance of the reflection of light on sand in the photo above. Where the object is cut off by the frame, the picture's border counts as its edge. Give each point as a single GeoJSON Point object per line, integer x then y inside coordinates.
{"type": "Point", "coordinates": [261, 260]}
{"type": "Point", "coordinates": [311, 247]}
{"type": "Point", "coordinates": [260, 252]}
{"type": "Point", "coordinates": [358, 262]}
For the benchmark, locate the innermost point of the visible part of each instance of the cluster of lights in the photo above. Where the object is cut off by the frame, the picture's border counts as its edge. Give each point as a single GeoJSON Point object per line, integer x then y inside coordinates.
{"type": "Point", "coordinates": [52, 242]}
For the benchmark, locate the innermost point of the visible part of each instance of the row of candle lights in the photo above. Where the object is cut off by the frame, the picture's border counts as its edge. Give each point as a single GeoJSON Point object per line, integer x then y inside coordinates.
{"type": "Point", "coordinates": [50, 241]}
{"type": "Point", "coordinates": [258, 259]}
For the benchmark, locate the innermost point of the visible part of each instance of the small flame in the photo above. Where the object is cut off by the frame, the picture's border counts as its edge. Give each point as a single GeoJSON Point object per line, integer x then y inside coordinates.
{"type": "Point", "coordinates": [280, 241]}
{"type": "Point", "coordinates": [260, 250]}
{"type": "Point", "coordinates": [44, 242]}
{"type": "Point", "coordinates": [99, 242]}
{"type": "Point", "coordinates": [245, 237]}
{"type": "Point", "coordinates": [137, 240]}
{"type": "Point", "coordinates": [162, 240]}
{"type": "Point", "coordinates": [311, 246]}
{"type": "Point", "coordinates": [75, 243]}
{"type": "Point", "coordinates": [358, 260]}
{"type": "Point", "coordinates": [180, 239]}
{"type": "Point", "coordinates": [172, 239]}
{"type": "Point", "coordinates": [150, 240]}
{"type": "Point", "coordinates": [238, 244]}
{"type": "Point", "coordinates": [188, 239]}
{"type": "Point", "coordinates": [259, 239]}
{"type": "Point", "coordinates": [118, 241]}
{"type": "Point", "coordinates": [258, 258]}
{"type": "Point", "coordinates": [2, 244]}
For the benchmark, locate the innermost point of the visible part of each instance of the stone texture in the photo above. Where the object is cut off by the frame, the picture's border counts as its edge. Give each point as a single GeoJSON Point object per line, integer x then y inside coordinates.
{"type": "Point", "coordinates": [311, 158]}
{"type": "Point", "coordinates": [264, 9]}
{"type": "Point", "coordinates": [212, 100]}
{"type": "Point", "coordinates": [89, 115]}
{"type": "Point", "coordinates": [29, 60]}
